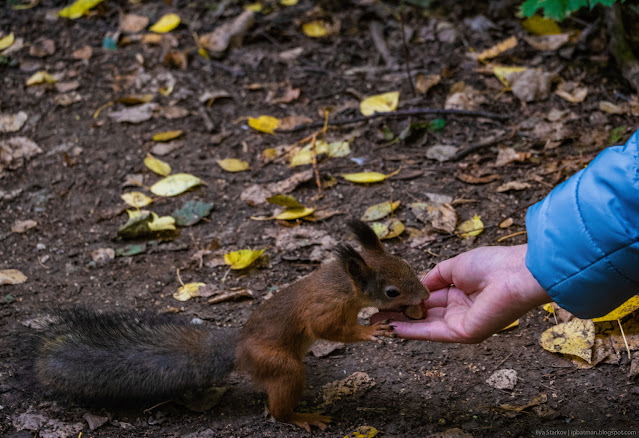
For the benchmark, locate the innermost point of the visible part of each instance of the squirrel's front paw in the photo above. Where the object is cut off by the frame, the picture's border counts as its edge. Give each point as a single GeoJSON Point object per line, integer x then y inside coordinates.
{"type": "Point", "coordinates": [381, 328]}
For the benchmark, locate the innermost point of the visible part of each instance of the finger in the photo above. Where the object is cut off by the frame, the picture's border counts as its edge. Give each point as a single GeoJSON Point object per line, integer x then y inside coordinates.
{"type": "Point", "coordinates": [436, 313]}
{"type": "Point", "coordinates": [440, 276]}
{"type": "Point", "coordinates": [437, 331]}
{"type": "Point", "coordinates": [438, 298]}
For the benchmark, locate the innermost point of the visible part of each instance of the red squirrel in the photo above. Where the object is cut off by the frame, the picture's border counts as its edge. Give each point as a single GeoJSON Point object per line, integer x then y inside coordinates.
{"type": "Point", "coordinates": [124, 356]}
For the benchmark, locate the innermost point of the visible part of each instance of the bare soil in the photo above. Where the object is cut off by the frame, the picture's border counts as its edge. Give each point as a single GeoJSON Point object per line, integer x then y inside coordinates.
{"type": "Point", "coordinates": [72, 190]}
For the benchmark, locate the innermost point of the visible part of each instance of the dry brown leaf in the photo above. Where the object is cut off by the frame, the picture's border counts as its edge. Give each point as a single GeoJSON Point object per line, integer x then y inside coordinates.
{"type": "Point", "coordinates": [176, 59]}
{"type": "Point", "coordinates": [14, 152]}
{"type": "Point", "coordinates": [510, 155]}
{"type": "Point", "coordinates": [42, 48]}
{"type": "Point", "coordinates": [289, 95]}
{"type": "Point", "coordinates": [497, 49]}
{"type": "Point", "coordinates": [230, 34]}
{"type": "Point", "coordinates": [426, 82]}
{"type": "Point", "coordinates": [464, 97]}
{"type": "Point", "coordinates": [513, 185]}
{"type": "Point", "coordinates": [133, 23]}
{"type": "Point", "coordinates": [548, 42]}
{"type": "Point", "coordinates": [573, 92]}
{"type": "Point", "coordinates": [12, 122]}
{"type": "Point", "coordinates": [291, 122]}
{"type": "Point", "coordinates": [470, 179]}
{"type": "Point", "coordinates": [531, 84]}
{"type": "Point", "coordinates": [611, 108]}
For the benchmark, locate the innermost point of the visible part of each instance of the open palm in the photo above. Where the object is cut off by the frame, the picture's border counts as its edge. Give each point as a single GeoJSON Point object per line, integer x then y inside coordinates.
{"type": "Point", "coordinates": [474, 295]}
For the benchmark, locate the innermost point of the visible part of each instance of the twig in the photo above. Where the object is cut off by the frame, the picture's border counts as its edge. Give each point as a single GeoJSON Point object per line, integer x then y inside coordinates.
{"type": "Point", "coordinates": [502, 362]}
{"type": "Point", "coordinates": [401, 113]}
{"type": "Point", "coordinates": [518, 233]}
{"type": "Point", "coordinates": [208, 123]}
{"type": "Point", "coordinates": [377, 35]}
{"type": "Point", "coordinates": [480, 145]}
{"type": "Point", "coordinates": [406, 52]}
{"type": "Point", "coordinates": [147, 410]}
{"type": "Point", "coordinates": [625, 341]}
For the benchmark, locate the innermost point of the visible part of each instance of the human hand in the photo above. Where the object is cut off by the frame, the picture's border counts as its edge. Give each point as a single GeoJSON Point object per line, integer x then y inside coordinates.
{"type": "Point", "coordinates": [474, 295]}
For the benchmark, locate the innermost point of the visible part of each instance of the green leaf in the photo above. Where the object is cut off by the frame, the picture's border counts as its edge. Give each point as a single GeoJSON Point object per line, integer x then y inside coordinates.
{"type": "Point", "coordinates": [554, 9]}
{"type": "Point", "coordinates": [616, 134]}
{"type": "Point", "coordinates": [191, 213]}
{"type": "Point", "coordinates": [436, 125]}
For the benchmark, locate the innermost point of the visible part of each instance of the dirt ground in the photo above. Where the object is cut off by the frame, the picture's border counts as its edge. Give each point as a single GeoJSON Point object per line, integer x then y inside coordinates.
{"type": "Point", "coordinates": [72, 189]}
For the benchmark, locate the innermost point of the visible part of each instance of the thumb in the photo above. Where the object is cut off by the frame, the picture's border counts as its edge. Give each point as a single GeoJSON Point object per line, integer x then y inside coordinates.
{"type": "Point", "coordinates": [440, 276]}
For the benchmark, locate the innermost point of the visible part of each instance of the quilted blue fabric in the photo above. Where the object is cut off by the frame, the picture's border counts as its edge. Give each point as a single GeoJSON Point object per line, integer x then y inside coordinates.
{"type": "Point", "coordinates": [583, 238]}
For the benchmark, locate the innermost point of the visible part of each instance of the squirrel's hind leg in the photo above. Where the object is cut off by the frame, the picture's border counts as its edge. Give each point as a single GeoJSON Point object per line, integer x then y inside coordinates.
{"type": "Point", "coordinates": [285, 391]}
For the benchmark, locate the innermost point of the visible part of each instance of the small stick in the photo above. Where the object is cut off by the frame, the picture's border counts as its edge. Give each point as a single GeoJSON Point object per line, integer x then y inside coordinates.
{"type": "Point", "coordinates": [406, 52]}
{"type": "Point", "coordinates": [147, 410]}
{"type": "Point", "coordinates": [625, 341]}
{"type": "Point", "coordinates": [401, 113]}
{"type": "Point", "coordinates": [315, 167]}
{"type": "Point", "coordinates": [511, 235]}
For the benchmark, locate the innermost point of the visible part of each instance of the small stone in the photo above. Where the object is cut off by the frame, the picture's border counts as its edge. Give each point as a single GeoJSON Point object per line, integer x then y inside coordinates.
{"type": "Point", "coordinates": [95, 421]}
{"type": "Point", "coordinates": [503, 379]}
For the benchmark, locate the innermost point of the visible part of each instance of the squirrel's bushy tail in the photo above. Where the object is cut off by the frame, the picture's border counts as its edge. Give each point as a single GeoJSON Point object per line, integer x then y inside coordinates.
{"type": "Point", "coordinates": [127, 356]}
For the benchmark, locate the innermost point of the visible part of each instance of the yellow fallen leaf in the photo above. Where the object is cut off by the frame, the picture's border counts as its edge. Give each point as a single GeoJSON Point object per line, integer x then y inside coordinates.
{"type": "Point", "coordinates": [368, 177]}
{"type": "Point", "coordinates": [363, 432]}
{"type": "Point", "coordinates": [243, 258]}
{"type": "Point", "coordinates": [294, 213]}
{"type": "Point", "coordinates": [24, 6]}
{"type": "Point", "coordinates": [41, 77]}
{"type": "Point", "coordinates": [78, 8]}
{"type": "Point", "coordinates": [380, 103]}
{"type": "Point", "coordinates": [502, 72]}
{"type": "Point", "coordinates": [497, 49]}
{"type": "Point", "coordinates": [156, 165]}
{"type": "Point", "coordinates": [7, 41]}
{"type": "Point", "coordinates": [315, 29]}
{"type": "Point", "coordinates": [133, 214]}
{"type": "Point", "coordinates": [175, 184]}
{"type": "Point", "coordinates": [625, 309]}
{"type": "Point", "coordinates": [539, 25]}
{"type": "Point", "coordinates": [379, 211]}
{"type": "Point", "coordinates": [288, 2]}
{"type": "Point", "coordinates": [266, 124]}
{"type": "Point", "coordinates": [333, 149]}
{"type": "Point", "coordinates": [188, 291]}
{"type": "Point", "coordinates": [164, 223]}
{"type": "Point", "coordinates": [388, 230]}
{"type": "Point", "coordinates": [12, 276]}
{"type": "Point", "coordinates": [575, 338]}
{"type": "Point", "coordinates": [285, 200]}
{"type": "Point", "coordinates": [167, 135]}
{"type": "Point", "coordinates": [233, 164]}
{"type": "Point", "coordinates": [255, 7]}
{"type": "Point", "coordinates": [136, 199]}
{"type": "Point", "coordinates": [470, 227]}
{"type": "Point", "coordinates": [549, 308]}
{"type": "Point", "coordinates": [511, 325]}
{"type": "Point", "coordinates": [166, 23]}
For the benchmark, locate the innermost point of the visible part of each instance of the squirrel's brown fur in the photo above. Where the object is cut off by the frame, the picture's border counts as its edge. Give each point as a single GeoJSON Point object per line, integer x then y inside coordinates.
{"type": "Point", "coordinates": [124, 356]}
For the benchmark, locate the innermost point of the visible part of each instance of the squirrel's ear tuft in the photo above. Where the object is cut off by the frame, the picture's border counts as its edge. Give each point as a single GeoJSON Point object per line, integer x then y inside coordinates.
{"type": "Point", "coordinates": [354, 265]}
{"type": "Point", "coordinates": [365, 235]}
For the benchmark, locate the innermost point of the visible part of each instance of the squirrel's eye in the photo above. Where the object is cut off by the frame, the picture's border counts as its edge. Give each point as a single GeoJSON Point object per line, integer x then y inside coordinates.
{"type": "Point", "coordinates": [392, 292]}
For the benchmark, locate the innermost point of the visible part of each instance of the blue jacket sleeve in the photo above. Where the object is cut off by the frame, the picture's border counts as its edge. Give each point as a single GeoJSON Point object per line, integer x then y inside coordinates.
{"type": "Point", "coordinates": [583, 238]}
